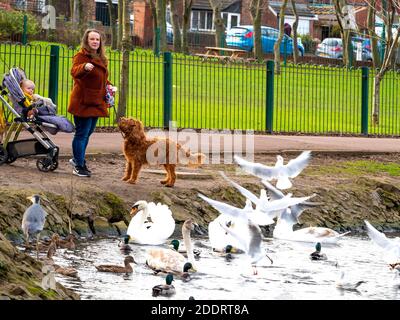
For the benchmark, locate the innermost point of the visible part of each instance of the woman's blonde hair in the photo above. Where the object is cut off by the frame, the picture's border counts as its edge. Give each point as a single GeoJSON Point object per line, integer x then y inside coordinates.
{"type": "Point", "coordinates": [101, 50]}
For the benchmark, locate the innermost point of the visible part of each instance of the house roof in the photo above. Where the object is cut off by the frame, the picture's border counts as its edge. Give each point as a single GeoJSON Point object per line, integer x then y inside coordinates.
{"type": "Point", "coordinates": [325, 9]}
{"type": "Point", "coordinates": [302, 9]}
{"type": "Point", "coordinates": [205, 5]}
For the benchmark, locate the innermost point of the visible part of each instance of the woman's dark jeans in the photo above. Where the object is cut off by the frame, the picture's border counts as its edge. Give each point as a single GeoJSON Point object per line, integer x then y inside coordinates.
{"type": "Point", "coordinates": [84, 127]}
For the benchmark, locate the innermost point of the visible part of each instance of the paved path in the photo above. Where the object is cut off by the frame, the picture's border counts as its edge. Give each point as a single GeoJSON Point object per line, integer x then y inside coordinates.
{"type": "Point", "coordinates": [106, 143]}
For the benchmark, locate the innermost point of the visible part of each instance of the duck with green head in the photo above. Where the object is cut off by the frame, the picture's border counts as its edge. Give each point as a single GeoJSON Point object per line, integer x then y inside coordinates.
{"type": "Point", "coordinates": [317, 255]}
{"type": "Point", "coordinates": [177, 246]}
{"type": "Point", "coordinates": [125, 247]}
{"type": "Point", "coordinates": [165, 290]}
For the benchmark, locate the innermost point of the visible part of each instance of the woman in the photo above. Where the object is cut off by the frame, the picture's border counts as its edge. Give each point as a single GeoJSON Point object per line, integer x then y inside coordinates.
{"type": "Point", "coordinates": [87, 100]}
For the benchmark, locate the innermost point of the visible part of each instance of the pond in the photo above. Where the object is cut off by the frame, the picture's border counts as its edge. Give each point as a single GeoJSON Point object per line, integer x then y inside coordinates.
{"type": "Point", "coordinates": [291, 276]}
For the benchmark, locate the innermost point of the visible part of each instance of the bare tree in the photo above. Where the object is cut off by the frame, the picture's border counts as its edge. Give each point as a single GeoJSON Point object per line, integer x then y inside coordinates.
{"type": "Point", "coordinates": [153, 9]}
{"type": "Point", "coordinates": [120, 23]}
{"type": "Point", "coordinates": [113, 25]}
{"type": "Point", "coordinates": [295, 26]}
{"type": "Point", "coordinates": [376, 60]}
{"type": "Point", "coordinates": [219, 25]}
{"type": "Point", "coordinates": [277, 45]}
{"type": "Point", "coordinates": [345, 32]}
{"type": "Point", "coordinates": [255, 7]}
{"type": "Point", "coordinates": [161, 22]}
{"type": "Point", "coordinates": [187, 9]}
{"type": "Point", "coordinates": [126, 47]}
{"type": "Point", "coordinates": [176, 25]}
{"type": "Point", "coordinates": [390, 17]}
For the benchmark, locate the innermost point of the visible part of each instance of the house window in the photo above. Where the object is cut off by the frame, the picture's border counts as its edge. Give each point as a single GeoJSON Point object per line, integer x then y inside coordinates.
{"type": "Point", "coordinates": [231, 19]}
{"type": "Point", "coordinates": [202, 20]}
{"type": "Point", "coordinates": [20, 4]}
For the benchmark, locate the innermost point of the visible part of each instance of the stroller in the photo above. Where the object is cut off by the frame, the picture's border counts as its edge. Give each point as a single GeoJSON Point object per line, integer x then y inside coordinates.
{"type": "Point", "coordinates": [11, 148]}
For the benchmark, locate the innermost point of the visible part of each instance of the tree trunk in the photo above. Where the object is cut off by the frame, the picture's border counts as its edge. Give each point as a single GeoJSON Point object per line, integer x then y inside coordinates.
{"type": "Point", "coordinates": [255, 11]}
{"type": "Point", "coordinates": [345, 34]}
{"type": "Point", "coordinates": [295, 25]}
{"type": "Point", "coordinates": [376, 59]}
{"type": "Point", "coordinates": [126, 47]}
{"type": "Point", "coordinates": [76, 13]}
{"type": "Point", "coordinates": [113, 25]}
{"type": "Point", "coordinates": [176, 26]}
{"type": "Point", "coordinates": [161, 8]}
{"type": "Point", "coordinates": [120, 22]}
{"type": "Point", "coordinates": [155, 24]}
{"type": "Point", "coordinates": [277, 45]}
{"type": "Point", "coordinates": [376, 99]}
{"type": "Point", "coordinates": [187, 9]}
{"type": "Point", "coordinates": [218, 23]}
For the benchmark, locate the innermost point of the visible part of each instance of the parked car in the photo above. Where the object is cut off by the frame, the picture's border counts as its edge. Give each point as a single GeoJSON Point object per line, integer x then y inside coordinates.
{"type": "Point", "coordinates": [170, 33]}
{"type": "Point", "coordinates": [242, 37]}
{"type": "Point", "coordinates": [333, 48]}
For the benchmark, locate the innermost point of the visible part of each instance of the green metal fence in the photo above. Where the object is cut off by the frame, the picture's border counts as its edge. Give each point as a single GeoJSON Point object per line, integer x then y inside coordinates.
{"type": "Point", "coordinates": [209, 94]}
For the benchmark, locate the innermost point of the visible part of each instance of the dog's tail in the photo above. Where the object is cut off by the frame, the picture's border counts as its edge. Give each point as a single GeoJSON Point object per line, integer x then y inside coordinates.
{"type": "Point", "coordinates": [195, 159]}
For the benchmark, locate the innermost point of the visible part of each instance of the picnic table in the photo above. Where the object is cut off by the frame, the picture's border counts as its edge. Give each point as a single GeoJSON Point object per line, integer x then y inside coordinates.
{"type": "Point", "coordinates": [229, 54]}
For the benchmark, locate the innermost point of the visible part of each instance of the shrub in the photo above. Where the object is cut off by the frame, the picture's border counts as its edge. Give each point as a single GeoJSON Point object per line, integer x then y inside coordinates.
{"type": "Point", "coordinates": [12, 22]}
{"type": "Point", "coordinates": [310, 44]}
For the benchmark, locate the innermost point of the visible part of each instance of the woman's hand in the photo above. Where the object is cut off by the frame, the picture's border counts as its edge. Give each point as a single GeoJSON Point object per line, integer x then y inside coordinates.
{"type": "Point", "coordinates": [89, 67]}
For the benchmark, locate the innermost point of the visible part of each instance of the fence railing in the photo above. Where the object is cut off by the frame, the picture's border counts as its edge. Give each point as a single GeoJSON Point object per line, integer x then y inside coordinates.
{"type": "Point", "coordinates": [209, 94]}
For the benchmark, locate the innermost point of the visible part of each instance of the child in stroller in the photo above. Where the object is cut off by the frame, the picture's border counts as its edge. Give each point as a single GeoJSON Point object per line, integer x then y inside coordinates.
{"type": "Point", "coordinates": [35, 114]}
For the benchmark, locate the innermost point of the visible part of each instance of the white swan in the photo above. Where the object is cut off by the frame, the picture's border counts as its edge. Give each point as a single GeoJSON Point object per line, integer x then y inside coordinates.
{"type": "Point", "coordinates": [280, 171]}
{"type": "Point", "coordinates": [344, 283]}
{"type": "Point", "coordinates": [152, 223]}
{"type": "Point", "coordinates": [169, 260]}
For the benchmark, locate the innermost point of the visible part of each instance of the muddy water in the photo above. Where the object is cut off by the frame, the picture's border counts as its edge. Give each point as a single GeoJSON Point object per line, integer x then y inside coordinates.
{"type": "Point", "coordinates": [291, 276]}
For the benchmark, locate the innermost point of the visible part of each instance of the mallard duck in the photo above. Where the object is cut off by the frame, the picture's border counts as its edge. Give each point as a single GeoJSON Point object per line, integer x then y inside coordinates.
{"type": "Point", "coordinates": [317, 255]}
{"type": "Point", "coordinates": [169, 260]}
{"type": "Point", "coordinates": [151, 223]}
{"type": "Point", "coordinates": [66, 271]}
{"type": "Point", "coordinates": [166, 289]}
{"type": "Point", "coordinates": [125, 247]}
{"type": "Point", "coordinates": [177, 246]}
{"type": "Point", "coordinates": [118, 269]}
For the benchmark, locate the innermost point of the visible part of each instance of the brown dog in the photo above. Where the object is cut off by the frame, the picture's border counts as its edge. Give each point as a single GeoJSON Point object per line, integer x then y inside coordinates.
{"type": "Point", "coordinates": [140, 150]}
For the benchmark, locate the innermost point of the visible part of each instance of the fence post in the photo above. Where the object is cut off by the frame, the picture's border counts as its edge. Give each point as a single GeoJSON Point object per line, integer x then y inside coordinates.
{"type": "Point", "coordinates": [53, 78]}
{"type": "Point", "coordinates": [25, 31]}
{"type": "Point", "coordinates": [167, 88]}
{"type": "Point", "coordinates": [364, 100]}
{"type": "Point", "coordinates": [270, 96]}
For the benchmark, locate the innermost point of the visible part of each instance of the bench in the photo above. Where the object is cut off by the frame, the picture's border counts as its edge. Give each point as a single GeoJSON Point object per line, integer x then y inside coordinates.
{"type": "Point", "coordinates": [205, 56]}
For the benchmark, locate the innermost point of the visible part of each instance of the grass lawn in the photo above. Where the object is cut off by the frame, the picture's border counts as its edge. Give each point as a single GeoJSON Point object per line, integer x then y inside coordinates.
{"type": "Point", "coordinates": [307, 98]}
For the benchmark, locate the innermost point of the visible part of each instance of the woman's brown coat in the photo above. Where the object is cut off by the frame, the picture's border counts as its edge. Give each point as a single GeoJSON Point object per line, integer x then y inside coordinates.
{"type": "Point", "coordinates": [87, 97]}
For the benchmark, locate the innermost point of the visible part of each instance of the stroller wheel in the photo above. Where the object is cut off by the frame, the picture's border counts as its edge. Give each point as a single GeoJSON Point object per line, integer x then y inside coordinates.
{"type": "Point", "coordinates": [54, 165]}
{"type": "Point", "coordinates": [10, 159]}
{"type": "Point", "coordinates": [3, 155]}
{"type": "Point", "coordinates": [45, 164]}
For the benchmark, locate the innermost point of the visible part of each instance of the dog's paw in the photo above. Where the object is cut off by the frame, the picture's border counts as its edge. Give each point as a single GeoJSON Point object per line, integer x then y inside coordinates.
{"type": "Point", "coordinates": [124, 178]}
{"type": "Point", "coordinates": [163, 181]}
{"type": "Point", "coordinates": [169, 185]}
{"type": "Point", "coordinates": [131, 181]}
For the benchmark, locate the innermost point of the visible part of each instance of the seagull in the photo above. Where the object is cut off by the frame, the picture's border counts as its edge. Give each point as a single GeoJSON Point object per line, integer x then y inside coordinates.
{"type": "Point", "coordinates": [280, 171]}
{"type": "Point", "coordinates": [33, 221]}
{"type": "Point", "coordinates": [251, 242]}
{"type": "Point", "coordinates": [344, 284]}
{"type": "Point", "coordinates": [391, 247]}
{"type": "Point", "coordinates": [264, 205]}
{"type": "Point", "coordinates": [249, 213]}
{"type": "Point", "coordinates": [290, 216]}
